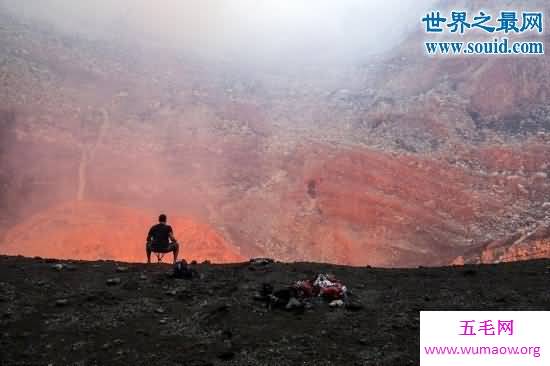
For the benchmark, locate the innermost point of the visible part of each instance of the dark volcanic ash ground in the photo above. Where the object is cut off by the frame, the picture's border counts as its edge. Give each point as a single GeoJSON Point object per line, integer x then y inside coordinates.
{"type": "Point", "coordinates": [69, 314]}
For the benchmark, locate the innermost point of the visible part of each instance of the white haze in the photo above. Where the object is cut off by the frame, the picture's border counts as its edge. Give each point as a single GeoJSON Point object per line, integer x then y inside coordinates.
{"type": "Point", "coordinates": [248, 31]}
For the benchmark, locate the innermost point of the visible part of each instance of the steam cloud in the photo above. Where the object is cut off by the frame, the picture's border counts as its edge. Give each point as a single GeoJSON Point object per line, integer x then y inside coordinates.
{"type": "Point", "coordinates": [257, 31]}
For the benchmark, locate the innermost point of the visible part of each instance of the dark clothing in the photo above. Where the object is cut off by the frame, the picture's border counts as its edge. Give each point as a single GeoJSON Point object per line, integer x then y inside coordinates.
{"type": "Point", "coordinates": [167, 248]}
{"type": "Point", "coordinates": [159, 235]}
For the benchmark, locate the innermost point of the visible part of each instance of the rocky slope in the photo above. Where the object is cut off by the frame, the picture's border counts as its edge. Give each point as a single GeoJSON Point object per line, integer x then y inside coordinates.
{"type": "Point", "coordinates": [65, 312]}
{"type": "Point", "coordinates": [405, 161]}
{"type": "Point", "coordinates": [534, 242]}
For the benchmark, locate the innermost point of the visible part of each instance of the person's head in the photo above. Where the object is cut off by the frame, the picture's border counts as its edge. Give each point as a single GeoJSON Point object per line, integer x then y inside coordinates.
{"type": "Point", "coordinates": [162, 219]}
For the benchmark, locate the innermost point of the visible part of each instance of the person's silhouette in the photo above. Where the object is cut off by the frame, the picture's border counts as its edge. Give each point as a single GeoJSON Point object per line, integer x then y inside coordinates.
{"type": "Point", "coordinates": [160, 239]}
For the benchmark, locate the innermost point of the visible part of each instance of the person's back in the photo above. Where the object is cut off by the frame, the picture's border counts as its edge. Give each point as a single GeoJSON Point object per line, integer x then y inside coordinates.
{"type": "Point", "coordinates": [159, 234]}
{"type": "Point", "coordinates": [161, 239]}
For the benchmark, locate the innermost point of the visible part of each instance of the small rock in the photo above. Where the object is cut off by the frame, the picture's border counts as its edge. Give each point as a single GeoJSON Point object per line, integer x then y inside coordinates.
{"type": "Point", "coordinates": [293, 303]}
{"type": "Point", "coordinates": [261, 261]}
{"type": "Point", "coordinates": [258, 297]}
{"type": "Point", "coordinates": [130, 285]}
{"type": "Point", "coordinates": [163, 321]}
{"type": "Point", "coordinates": [113, 281]}
{"type": "Point", "coordinates": [336, 304]}
{"type": "Point", "coordinates": [58, 267]}
{"type": "Point", "coordinates": [142, 277]}
{"type": "Point", "coordinates": [159, 310]}
{"type": "Point", "coordinates": [77, 346]}
{"type": "Point", "coordinates": [121, 269]}
{"type": "Point", "coordinates": [354, 306]}
{"type": "Point", "coordinates": [522, 189]}
{"type": "Point", "coordinates": [171, 293]}
{"type": "Point", "coordinates": [226, 355]}
{"type": "Point", "coordinates": [227, 334]}
{"type": "Point", "coordinates": [61, 302]}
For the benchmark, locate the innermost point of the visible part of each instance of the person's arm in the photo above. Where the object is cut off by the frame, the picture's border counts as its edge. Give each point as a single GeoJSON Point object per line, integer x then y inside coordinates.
{"type": "Point", "coordinates": [171, 234]}
{"type": "Point", "coordinates": [150, 235]}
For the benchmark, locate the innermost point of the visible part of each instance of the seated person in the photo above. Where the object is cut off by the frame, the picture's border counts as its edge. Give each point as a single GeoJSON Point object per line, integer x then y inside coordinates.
{"type": "Point", "coordinates": [160, 239]}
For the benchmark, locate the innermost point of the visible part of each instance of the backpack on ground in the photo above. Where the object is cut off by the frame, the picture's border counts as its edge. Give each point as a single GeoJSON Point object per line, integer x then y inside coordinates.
{"type": "Point", "coordinates": [182, 270]}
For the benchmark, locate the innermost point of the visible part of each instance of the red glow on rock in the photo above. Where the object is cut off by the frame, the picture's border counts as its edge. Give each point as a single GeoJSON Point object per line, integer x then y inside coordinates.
{"type": "Point", "coordinates": [102, 231]}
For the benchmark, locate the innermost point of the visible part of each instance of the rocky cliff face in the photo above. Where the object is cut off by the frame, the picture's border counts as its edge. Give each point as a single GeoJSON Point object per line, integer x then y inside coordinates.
{"type": "Point", "coordinates": [532, 242]}
{"type": "Point", "coordinates": [405, 161]}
